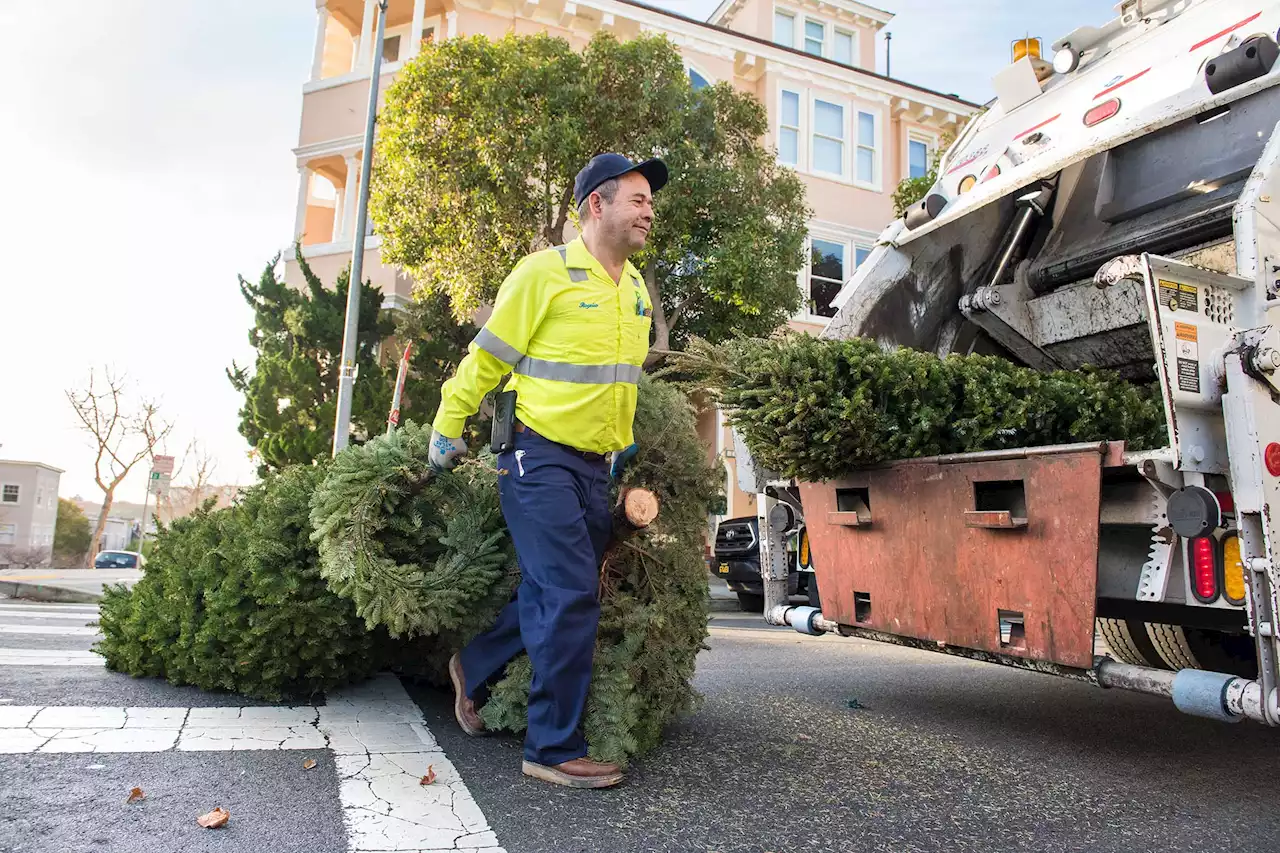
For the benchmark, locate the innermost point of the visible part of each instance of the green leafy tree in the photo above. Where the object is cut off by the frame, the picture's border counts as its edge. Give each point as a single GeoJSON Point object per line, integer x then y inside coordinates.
{"type": "Point", "coordinates": [71, 536]}
{"type": "Point", "coordinates": [480, 142]}
{"type": "Point", "coordinates": [291, 395]}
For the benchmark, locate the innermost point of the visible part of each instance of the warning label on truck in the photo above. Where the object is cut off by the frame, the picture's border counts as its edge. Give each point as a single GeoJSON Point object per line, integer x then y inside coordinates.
{"type": "Point", "coordinates": [1177, 296]}
{"type": "Point", "coordinates": [1189, 375]}
{"type": "Point", "coordinates": [1188, 356]}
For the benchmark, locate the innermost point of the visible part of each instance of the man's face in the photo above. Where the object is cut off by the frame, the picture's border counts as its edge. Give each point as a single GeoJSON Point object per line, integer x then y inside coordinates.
{"type": "Point", "coordinates": [627, 219]}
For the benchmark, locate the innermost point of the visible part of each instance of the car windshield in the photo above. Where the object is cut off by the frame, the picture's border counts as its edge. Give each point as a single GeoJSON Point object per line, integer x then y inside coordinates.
{"type": "Point", "coordinates": [116, 560]}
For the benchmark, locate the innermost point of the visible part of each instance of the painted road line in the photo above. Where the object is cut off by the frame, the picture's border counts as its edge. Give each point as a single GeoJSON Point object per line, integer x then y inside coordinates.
{"type": "Point", "coordinates": [49, 657]}
{"type": "Point", "coordinates": [51, 630]}
{"type": "Point", "coordinates": [382, 744]}
{"type": "Point", "coordinates": [91, 609]}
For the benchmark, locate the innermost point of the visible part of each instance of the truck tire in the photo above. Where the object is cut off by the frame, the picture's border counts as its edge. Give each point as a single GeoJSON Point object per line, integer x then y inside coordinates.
{"type": "Point", "coordinates": [751, 602]}
{"type": "Point", "coordinates": [1218, 651]}
{"type": "Point", "coordinates": [1171, 642]}
{"type": "Point", "coordinates": [1128, 642]}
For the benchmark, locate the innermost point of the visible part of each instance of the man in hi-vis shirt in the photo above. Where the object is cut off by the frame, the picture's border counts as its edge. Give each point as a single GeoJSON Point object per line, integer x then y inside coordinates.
{"type": "Point", "coordinates": [571, 325]}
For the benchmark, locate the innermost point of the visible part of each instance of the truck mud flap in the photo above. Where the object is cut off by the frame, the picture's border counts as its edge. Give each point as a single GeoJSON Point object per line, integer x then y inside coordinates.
{"type": "Point", "coordinates": [995, 552]}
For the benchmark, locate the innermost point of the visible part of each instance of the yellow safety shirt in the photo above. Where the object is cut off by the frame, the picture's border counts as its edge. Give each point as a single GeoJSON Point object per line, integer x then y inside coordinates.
{"type": "Point", "coordinates": [575, 343]}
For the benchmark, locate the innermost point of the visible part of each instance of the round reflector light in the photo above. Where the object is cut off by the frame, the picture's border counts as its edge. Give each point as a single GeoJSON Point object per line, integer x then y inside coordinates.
{"type": "Point", "coordinates": [1272, 458]}
{"type": "Point", "coordinates": [967, 183]}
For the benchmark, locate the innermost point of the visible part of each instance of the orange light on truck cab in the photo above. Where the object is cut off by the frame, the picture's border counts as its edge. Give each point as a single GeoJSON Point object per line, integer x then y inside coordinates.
{"type": "Point", "coordinates": [1026, 47]}
{"type": "Point", "coordinates": [1233, 577]}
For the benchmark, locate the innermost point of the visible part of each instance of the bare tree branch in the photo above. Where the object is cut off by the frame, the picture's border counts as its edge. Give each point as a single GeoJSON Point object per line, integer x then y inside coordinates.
{"type": "Point", "coordinates": [121, 438]}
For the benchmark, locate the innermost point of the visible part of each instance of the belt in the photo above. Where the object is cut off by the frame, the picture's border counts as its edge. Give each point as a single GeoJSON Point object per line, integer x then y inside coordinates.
{"type": "Point", "coordinates": [585, 454]}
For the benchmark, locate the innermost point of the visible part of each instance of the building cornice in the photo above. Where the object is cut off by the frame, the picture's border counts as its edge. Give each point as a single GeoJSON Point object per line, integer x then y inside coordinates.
{"type": "Point", "coordinates": [848, 9]}
{"type": "Point", "coordinates": [32, 465]}
{"type": "Point", "coordinates": [755, 48]}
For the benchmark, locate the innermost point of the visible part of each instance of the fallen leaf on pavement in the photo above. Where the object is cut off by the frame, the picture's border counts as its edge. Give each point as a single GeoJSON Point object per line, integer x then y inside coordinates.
{"type": "Point", "coordinates": [308, 764]}
{"type": "Point", "coordinates": [215, 819]}
{"type": "Point", "coordinates": [804, 737]}
{"type": "Point", "coordinates": [430, 777]}
{"type": "Point", "coordinates": [135, 795]}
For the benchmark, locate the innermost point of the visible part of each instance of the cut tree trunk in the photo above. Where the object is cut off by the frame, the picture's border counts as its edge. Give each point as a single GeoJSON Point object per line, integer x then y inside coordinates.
{"type": "Point", "coordinates": [636, 510]}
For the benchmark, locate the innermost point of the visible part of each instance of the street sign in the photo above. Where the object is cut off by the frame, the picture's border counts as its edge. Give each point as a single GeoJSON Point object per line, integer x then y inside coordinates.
{"type": "Point", "coordinates": [158, 484]}
{"type": "Point", "coordinates": [162, 464]}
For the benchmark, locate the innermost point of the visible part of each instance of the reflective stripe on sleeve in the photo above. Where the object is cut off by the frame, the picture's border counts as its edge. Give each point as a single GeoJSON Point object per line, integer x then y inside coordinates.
{"type": "Point", "coordinates": [583, 374]}
{"type": "Point", "coordinates": [497, 347]}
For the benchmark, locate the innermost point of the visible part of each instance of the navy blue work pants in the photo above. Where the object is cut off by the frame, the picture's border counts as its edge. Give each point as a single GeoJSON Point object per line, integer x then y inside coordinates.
{"type": "Point", "coordinates": [556, 505]}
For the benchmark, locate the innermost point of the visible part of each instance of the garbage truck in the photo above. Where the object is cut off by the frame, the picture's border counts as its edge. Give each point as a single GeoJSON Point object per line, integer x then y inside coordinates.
{"type": "Point", "coordinates": [1116, 206]}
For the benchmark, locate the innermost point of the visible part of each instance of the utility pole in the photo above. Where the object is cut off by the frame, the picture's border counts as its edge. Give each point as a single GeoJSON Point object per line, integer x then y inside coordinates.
{"type": "Point", "coordinates": [888, 54]}
{"type": "Point", "coordinates": [347, 375]}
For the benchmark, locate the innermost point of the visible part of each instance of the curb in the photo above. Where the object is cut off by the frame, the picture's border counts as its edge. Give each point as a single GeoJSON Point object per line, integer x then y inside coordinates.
{"type": "Point", "coordinates": [44, 592]}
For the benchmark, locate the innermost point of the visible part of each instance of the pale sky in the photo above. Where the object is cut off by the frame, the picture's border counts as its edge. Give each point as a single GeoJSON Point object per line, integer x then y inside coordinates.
{"type": "Point", "coordinates": [146, 150]}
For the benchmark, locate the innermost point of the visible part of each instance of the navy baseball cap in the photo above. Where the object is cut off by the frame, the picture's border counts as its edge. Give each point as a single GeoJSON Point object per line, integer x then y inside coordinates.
{"type": "Point", "coordinates": [606, 167]}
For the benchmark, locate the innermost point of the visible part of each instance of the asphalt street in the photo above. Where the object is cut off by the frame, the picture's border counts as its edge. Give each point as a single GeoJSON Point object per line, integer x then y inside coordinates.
{"type": "Point", "coordinates": [801, 743]}
{"type": "Point", "coordinates": [75, 801]}
{"type": "Point", "coordinates": [832, 744]}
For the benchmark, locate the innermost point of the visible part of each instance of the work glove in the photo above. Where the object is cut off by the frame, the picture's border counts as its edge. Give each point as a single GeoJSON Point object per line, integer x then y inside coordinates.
{"type": "Point", "coordinates": [620, 459]}
{"type": "Point", "coordinates": [445, 452]}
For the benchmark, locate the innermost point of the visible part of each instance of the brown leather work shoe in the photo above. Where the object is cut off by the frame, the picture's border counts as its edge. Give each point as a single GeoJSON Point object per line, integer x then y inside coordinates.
{"type": "Point", "coordinates": [464, 708]}
{"type": "Point", "coordinates": [578, 773]}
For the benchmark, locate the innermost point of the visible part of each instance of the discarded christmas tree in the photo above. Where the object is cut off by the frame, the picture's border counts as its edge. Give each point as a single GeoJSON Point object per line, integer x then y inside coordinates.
{"type": "Point", "coordinates": [815, 409]}
{"type": "Point", "coordinates": [232, 599]}
{"type": "Point", "coordinates": [428, 558]}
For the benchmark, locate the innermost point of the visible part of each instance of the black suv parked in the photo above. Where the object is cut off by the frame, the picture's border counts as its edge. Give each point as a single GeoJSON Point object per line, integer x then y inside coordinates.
{"type": "Point", "coordinates": [737, 562]}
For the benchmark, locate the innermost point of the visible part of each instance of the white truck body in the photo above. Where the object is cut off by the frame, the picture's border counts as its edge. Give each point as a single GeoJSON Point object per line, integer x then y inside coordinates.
{"type": "Point", "coordinates": [1123, 212]}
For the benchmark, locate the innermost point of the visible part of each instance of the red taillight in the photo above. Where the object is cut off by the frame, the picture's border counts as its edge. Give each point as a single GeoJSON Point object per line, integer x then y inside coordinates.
{"type": "Point", "coordinates": [993, 172]}
{"type": "Point", "coordinates": [1204, 569]}
{"type": "Point", "coordinates": [1102, 112]}
{"type": "Point", "coordinates": [1272, 457]}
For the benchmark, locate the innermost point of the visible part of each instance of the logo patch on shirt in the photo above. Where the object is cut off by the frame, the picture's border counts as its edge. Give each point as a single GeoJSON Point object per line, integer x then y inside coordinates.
{"type": "Point", "coordinates": [588, 304]}
{"type": "Point", "coordinates": [641, 309]}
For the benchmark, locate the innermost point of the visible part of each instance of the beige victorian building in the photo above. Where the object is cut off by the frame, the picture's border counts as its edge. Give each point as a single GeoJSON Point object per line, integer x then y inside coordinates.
{"type": "Point", "coordinates": [850, 133]}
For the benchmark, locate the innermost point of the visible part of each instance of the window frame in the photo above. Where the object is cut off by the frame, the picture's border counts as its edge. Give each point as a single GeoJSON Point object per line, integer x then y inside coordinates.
{"type": "Point", "coordinates": [930, 142]}
{"type": "Point", "coordinates": [4, 487]}
{"type": "Point", "coordinates": [843, 174]}
{"type": "Point", "coordinates": [809, 313]}
{"type": "Point", "coordinates": [823, 51]}
{"type": "Point", "coordinates": [851, 243]}
{"type": "Point", "coordinates": [785, 13]}
{"type": "Point", "coordinates": [854, 49]}
{"type": "Point", "coordinates": [876, 148]}
{"type": "Point", "coordinates": [12, 530]}
{"type": "Point", "coordinates": [690, 70]}
{"type": "Point", "coordinates": [798, 128]}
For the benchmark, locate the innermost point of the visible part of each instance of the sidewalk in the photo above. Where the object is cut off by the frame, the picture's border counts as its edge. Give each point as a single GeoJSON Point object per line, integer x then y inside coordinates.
{"type": "Point", "coordinates": [78, 586]}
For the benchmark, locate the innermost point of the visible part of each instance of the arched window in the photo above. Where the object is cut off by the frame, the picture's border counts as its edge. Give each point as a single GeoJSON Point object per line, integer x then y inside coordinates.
{"type": "Point", "coordinates": [697, 80]}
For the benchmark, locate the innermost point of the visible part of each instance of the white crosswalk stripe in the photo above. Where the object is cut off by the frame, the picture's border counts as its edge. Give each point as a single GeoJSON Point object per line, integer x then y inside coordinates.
{"type": "Point", "coordinates": [23, 624]}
